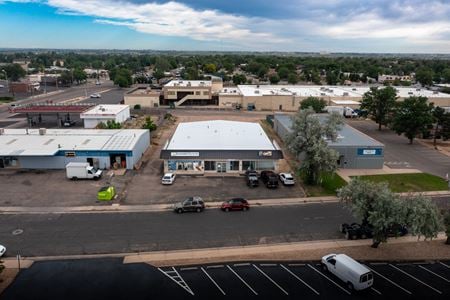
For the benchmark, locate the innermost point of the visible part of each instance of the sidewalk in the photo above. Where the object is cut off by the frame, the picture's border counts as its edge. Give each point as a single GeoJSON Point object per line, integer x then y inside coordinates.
{"type": "Point", "coordinates": [155, 207]}
{"type": "Point", "coordinates": [347, 173]}
{"type": "Point", "coordinates": [402, 248]}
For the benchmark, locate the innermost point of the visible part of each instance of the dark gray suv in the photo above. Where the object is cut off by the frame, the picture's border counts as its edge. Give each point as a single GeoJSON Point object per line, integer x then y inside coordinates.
{"type": "Point", "coordinates": [190, 204]}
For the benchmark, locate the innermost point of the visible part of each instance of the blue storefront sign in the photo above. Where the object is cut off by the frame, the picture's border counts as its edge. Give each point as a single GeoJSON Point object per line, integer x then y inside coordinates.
{"type": "Point", "coordinates": [370, 152]}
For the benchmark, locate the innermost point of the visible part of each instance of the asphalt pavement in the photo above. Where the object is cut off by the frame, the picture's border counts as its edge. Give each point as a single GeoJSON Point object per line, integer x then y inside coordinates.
{"type": "Point", "coordinates": [398, 153]}
{"type": "Point", "coordinates": [111, 279]}
{"type": "Point", "coordinates": [98, 233]}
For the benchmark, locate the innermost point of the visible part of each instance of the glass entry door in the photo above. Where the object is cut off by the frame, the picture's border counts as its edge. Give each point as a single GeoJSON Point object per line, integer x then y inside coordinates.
{"type": "Point", "coordinates": [221, 167]}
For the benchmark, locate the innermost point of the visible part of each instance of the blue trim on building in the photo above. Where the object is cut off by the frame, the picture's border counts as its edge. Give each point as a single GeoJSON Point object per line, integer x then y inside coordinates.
{"type": "Point", "coordinates": [370, 152]}
{"type": "Point", "coordinates": [94, 153]}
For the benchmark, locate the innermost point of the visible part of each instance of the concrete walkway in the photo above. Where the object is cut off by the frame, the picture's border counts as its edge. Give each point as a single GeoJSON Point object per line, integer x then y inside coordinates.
{"type": "Point", "coordinates": [347, 173]}
{"type": "Point", "coordinates": [155, 207]}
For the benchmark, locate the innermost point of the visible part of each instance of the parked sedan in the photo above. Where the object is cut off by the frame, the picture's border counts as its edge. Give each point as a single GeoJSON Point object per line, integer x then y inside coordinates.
{"type": "Point", "coordinates": [2, 250]}
{"type": "Point", "coordinates": [235, 204]}
{"type": "Point", "coordinates": [168, 178]}
{"type": "Point", "coordinates": [287, 178]}
{"type": "Point", "coordinates": [191, 204]}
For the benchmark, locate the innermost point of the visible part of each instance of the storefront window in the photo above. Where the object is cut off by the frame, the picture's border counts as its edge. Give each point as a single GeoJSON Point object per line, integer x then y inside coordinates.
{"type": "Point", "coordinates": [233, 165]}
{"type": "Point", "coordinates": [248, 165]}
{"type": "Point", "coordinates": [210, 165]}
{"type": "Point", "coordinates": [265, 165]}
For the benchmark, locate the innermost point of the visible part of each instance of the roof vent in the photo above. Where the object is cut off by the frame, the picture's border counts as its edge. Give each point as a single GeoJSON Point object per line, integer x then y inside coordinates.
{"type": "Point", "coordinates": [42, 131]}
{"type": "Point", "coordinates": [2, 131]}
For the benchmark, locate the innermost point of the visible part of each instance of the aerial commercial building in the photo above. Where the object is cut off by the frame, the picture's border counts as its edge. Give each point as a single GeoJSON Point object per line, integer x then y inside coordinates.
{"type": "Point", "coordinates": [55, 148]}
{"type": "Point", "coordinates": [356, 150]}
{"type": "Point", "coordinates": [211, 147]}
{"type": "Point", "coordinates": [192, 92]}
{"type": "Point", "coordinates": [143, 96]}
{"type": "Point", "coordinates": [104, 113]}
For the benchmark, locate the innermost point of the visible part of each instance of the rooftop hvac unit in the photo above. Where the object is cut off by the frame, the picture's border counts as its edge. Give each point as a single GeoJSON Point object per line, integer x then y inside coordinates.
{"type": "Point", "coordinates": [323, 94]}
{"type": "Point", "coordinates": [256, 91]}
{"type": "Point", "coordinates": [345, 94]}
{"type": "Point", "coordinates": [2, 131]}
{"type": "Point", "coordinates": [353, 89]}
{"type": "Point", "coordinates": [435, 92]}
{"type": "Point", "coordinates": [410, 93]}
{"type": "Point", "coordinates": [418, 90]}
{"type": "Point", "coordinates": [42, 131]}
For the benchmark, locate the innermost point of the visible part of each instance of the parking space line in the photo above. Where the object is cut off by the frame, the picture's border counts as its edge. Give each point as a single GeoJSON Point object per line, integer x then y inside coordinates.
{"type": "Point", "coordinates": [296, 265]}
{"type": "Point", "coordinates": [268, 265]}
{"type": "Point", "coordinates": [445, 265]}
{"type": "Point", "coordinates": [271, 280]}
{"type": "Point", "coordinates": [376, 291]}
{"type": "Point", "coordinates": [215, 283]}
{"type": "Point", "coordinates": [329, 279]}
{"type": "Point", "coordinates": [299, 279]}
{"type": "Point", "coordinates": [188, 269]}
{"type": "Point", "coordinates": [240, 278]}
{"type": "Point", "coordinates": [434, 273]}
{"type": "Point", "coordinates": [215, 267]}
{"type": "Point", "coordinates": [378, 263]}
{"type": "Point", "coordinates": [177, 279]}
{"type": "Point", "coordinates": [241, 265]}
{"type": "Point", "coordinates": [400, 287]}
{"type": "Point", "coordinates": [418, 280]}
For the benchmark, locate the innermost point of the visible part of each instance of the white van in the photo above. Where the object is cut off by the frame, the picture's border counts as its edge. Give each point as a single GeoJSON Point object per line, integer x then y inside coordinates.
{"type": "Point", "coordinates": [345, 111]}
{"type": "Point", "coordinates": [355, 275]}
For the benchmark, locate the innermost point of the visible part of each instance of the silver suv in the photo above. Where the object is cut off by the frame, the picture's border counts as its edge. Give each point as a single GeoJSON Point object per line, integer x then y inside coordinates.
{"type": "Point", "coordinates": [190, 204]}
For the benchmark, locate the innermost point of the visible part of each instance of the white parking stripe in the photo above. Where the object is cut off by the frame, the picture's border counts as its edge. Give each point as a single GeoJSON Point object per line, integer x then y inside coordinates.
{"type": "Point", "coordinates": [237, 275]}
{"type": "Point", "coordinates": [299, 279]}
{"type": "Point", "coordinates": [215, 283]}
{"type": "Point", "coordinates": [329, 279]}
{"type": "Point", "coordinates": [188, 269]}
{"type": "Point", "coordinates": [271, 280]}
{"type": "Point", "coordinates": [400, 287]}
{"type": "Point", "coordinates": [267, 265]}
{"type": "Point", "coordinates": [296, 265]}
{"type": "Point", "coordinates": [241, 265]}
{"type": "Point", "coordinates": [378, 263]}
{"type": "Point", "coordinates": [444, 265]}
{"type": "Point", "coordinates": [418, 280]}
{"type": "Point", "coordinates": [215, 267]}
{"type": "Point", "coordinates": [434, 273]}
{"type": "Point", "coordinates": [376, 291]}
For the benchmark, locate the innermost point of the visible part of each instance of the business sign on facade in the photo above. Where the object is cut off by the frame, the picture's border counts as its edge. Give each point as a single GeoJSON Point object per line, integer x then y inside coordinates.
{"type": "Point", "coordinates": [265, 153]}
{"type": "Point", "coordinates": [184, 154]}
{"type": "Point", "coordinates": [377, 151]}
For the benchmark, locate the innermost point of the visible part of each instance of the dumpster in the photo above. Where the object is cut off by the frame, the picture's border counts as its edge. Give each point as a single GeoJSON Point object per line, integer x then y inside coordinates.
{"type": "Point", "coordinates": [106, 193]}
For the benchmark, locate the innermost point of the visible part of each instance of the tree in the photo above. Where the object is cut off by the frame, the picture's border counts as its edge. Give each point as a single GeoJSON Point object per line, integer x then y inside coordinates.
{"type": "Point", "coordinates": [317, 104]}
{"type": "Point", "coordinates": [447, 227]}
{"type": "Point", "coordinates": [14, 72]}
{"type": "Point", "coordinates": [380, 209]}
{"type": "Point", "coordinates": [438, 115]}
{"type": "Point", "coordinates": [446, 75]}
{"type": "Point", "coordinates": [122, 77]}
{"type": "Point", "coordinates": [239, 79]}
{"type": "Point", "coordinates": [110, 124]}
{"type": "Point", "coordinates": [66, 78]}
{"type": "Point", "coordinates": [79, 75]}
{"type": "Point", "coordinates": [292, 78]}
{"type": "Point", "coordinates": [422, 217]}
{"type": "Point", "coordinates": [274, 79]}
{"type": "Point", "coordinates": [307, 139]}
{"type": "Point", "coordinates": [283, 72]}
{"type": "Point", "coordinates": [379, 103]}
{"type": "Point", "coordinates": [149, 124]}
{"type": "Point", "coordinates": [412, 116]}
{"type": "Point", "coordinates": [315, 78]}
{"type": "Point", "coordinates": [425, 76]}
{"type": "Point", "coordinates": [210, 68]}
{"type": "Point", "coordinates": [158, 74]}
{"type": "Point", "coordinates": [332, 78]}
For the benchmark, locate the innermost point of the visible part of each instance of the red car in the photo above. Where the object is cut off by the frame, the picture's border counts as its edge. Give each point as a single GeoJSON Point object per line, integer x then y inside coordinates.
{"type": "Point", "coordinates": [235, 204]}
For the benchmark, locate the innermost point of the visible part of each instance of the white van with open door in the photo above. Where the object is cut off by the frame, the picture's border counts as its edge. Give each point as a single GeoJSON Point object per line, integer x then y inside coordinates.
{"type": "Point", "coordinates": [355, 275]}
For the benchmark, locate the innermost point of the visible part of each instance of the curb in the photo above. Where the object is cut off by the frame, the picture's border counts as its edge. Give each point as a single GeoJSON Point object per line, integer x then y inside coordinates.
{"type": "Point", "coordinates": [117, 208]}
{"type": "Point", "coordinates": [235, 253]}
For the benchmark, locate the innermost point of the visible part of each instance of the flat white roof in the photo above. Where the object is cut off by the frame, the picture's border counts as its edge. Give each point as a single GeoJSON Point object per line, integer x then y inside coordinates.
{"type": "Point", "coordinates": [104, 110]}
{"type": "Point", "coordinates": [230, 91]}
{"type": "Point", "coordinates": [189, 83]}
{"type": "Point", "coordinates": [346, 102]}
{"type": "Point", "coordinates": [329, 91]}
{"type": "Point", "coordinates": [219, 135]}
{"type": "Point", "coordinates": [16, 142]}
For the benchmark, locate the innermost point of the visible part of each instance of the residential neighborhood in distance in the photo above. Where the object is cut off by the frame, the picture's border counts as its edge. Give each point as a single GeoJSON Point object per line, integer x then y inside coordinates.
{"type": "Point", "coordinates": [220, 150]}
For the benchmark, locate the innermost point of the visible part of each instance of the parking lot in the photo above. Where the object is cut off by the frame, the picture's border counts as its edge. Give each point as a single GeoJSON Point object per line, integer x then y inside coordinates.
{"type": "Point", "coordinates": [307, 280]}
{"type": "Point", "coordinates": [109, 278]}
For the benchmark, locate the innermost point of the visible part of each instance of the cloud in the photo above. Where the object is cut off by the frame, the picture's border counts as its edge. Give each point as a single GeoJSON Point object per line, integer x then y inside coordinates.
{"type": "Point", "coordinates": [309, 25]}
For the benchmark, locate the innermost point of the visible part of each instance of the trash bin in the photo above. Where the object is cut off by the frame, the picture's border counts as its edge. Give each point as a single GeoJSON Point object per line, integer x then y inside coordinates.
{"type": "Point", "coordinates": [106, 193]}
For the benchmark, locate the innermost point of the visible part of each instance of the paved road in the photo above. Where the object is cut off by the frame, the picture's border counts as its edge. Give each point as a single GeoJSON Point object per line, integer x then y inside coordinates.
{"type": "Point", "coordinates": [400, 154]}
{"type": "Point", "coordinates": [110, 279]}
{"type": "Point", "coordinates": [67, 234]}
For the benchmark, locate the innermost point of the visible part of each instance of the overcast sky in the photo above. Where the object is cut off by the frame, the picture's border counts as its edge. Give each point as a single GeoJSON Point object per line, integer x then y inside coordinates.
{"type": "Point", "coordinates": [405, 26]}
